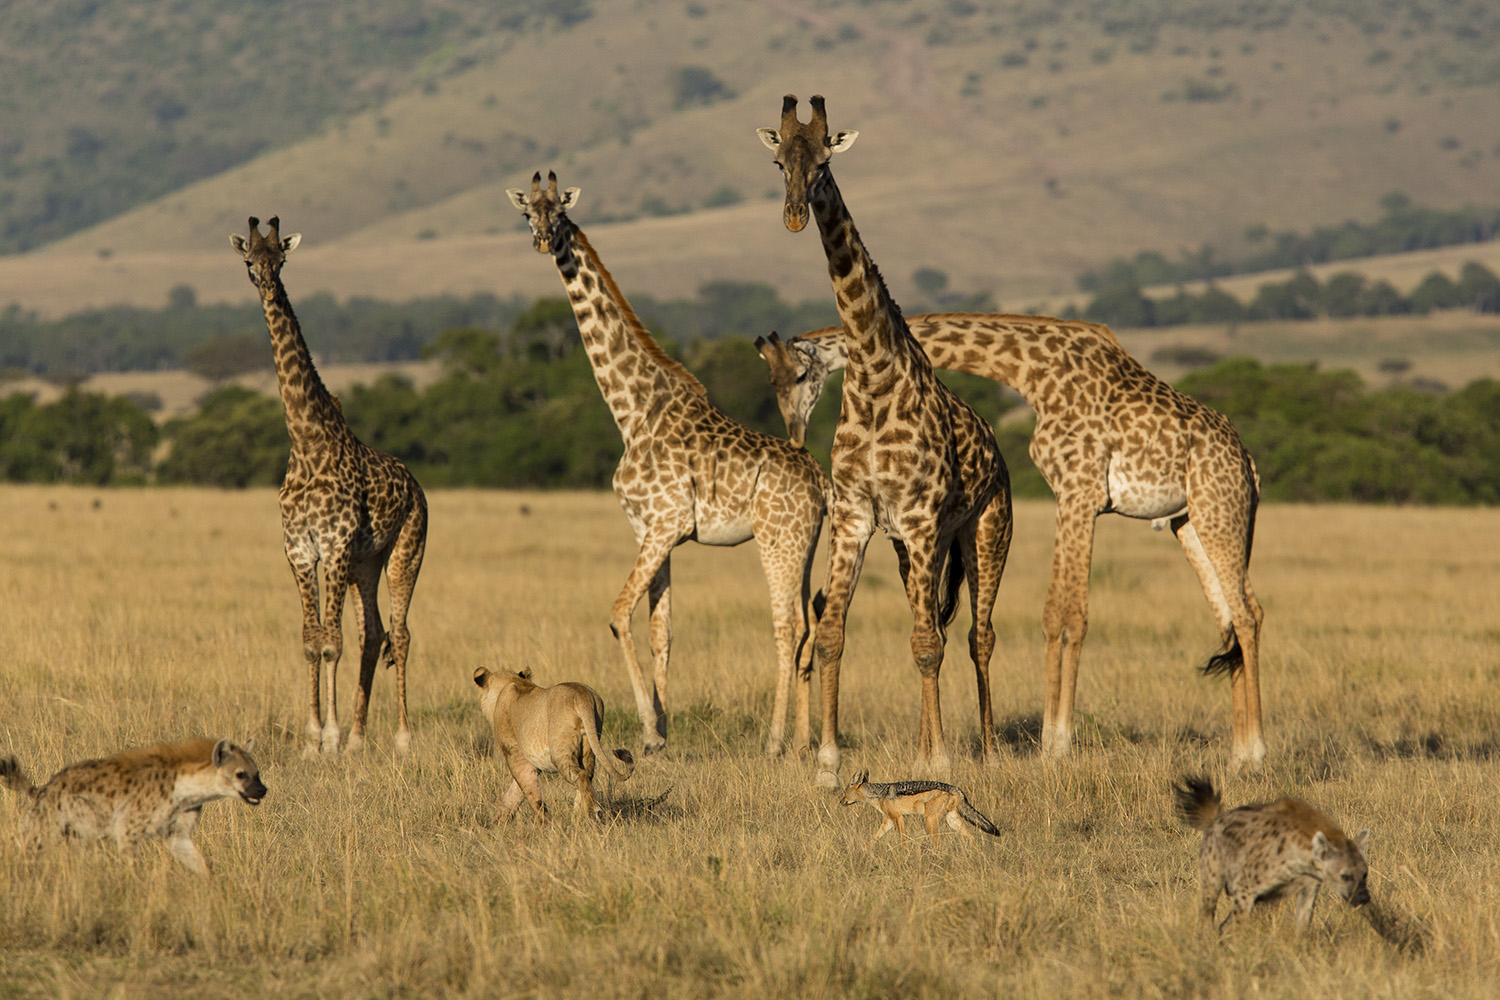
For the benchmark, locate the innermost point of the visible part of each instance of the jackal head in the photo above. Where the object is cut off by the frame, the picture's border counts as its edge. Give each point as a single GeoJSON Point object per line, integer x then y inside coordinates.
{"type": "Point", "coordinates": [1344, 867]}
{"type": "Point", "coordinates": [238, 771]}
{"type": "Point", "coordinates": [854, 792]}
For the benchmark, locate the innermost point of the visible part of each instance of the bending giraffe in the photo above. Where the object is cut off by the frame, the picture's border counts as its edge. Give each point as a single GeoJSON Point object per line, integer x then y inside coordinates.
{"type": "Point", "coordinates": [1110, 438]}
{"type": "Point", "coordinates": [908, 457]}
{"type": "Point", "coordinates": [345, 506]}
{"type": "Point", "coordinates": [689, 473]}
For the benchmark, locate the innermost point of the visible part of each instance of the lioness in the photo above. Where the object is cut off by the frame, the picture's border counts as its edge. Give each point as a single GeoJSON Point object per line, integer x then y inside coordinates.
{"type": "Point", "coordinates": [555, 729]}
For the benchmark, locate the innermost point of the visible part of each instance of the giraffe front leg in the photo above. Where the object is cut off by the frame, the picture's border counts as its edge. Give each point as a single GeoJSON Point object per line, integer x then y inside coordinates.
{"type": "Point", "coordinates": [306, 574]}
{"type": "Point", "coordinates": [331, 648]}
{"type": "Point", "coordinates": [984, 552]}
{"type": "Point", "coordinates": [786, 577]}
{"type": "Point", "coordinates": [656, 549]}
{"type": "Point", "coordinates": [1065, 621]}
{"type": "Point", "coordinates": [927, 650]}
{"type": "Point", "coordinates": [845, 560]}
{"type": "Point", "coordinates": [371, 637]}
{"type": "Point", "coordinates": [659, 603]}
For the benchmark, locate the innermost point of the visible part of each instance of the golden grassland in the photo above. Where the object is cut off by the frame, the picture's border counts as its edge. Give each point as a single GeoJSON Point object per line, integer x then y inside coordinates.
{"type": "Point", "coordinates": [132, 617]}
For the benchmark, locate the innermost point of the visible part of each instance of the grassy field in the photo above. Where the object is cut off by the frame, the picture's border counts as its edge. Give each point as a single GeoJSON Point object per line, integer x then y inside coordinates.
{"type": "Point", "coordinates": [132, 617]}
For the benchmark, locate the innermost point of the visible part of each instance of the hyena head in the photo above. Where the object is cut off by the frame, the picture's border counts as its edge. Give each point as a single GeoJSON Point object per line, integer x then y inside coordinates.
{"type": "Point", "coordinates": [238, 772]}
{"type": "Point", "coordinates": [1343, 867]}
{"type": "Point", "coordinates": [855, 791]}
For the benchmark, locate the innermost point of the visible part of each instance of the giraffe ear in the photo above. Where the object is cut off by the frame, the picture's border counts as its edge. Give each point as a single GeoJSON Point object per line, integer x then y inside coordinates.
{"type": "Point", "coordinates": [843, 141]}
{"type": "Point", "coordinates": [770, 137]}
{"type": "Point", "coordinates": [290, 243]}
{"type": "Point", "coordinates": [517, 198]}
{"type": "Point", "coordinates": [238, 242]}
{"type": "Point", "coordinates": [570, 197]}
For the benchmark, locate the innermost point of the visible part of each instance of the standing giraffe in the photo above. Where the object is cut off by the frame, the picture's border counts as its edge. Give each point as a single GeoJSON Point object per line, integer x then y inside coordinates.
{"type": "Point", "coordinates": [688, 473]}
{"type": "Point", "coordinates": [909, 457]}
{"type": "Point", "coordinates": [345, 505]}
{"type": "Point", "coordinates": [1110, 438]}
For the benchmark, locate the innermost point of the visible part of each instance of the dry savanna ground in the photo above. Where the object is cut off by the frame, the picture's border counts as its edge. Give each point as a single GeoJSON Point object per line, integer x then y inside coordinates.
{"type": "Point", "coordinates": [132, 617]}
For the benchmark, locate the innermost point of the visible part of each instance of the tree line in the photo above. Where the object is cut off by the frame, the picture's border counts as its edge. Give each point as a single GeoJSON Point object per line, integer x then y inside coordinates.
{"type": "Point", "coordinates": [521, 409]}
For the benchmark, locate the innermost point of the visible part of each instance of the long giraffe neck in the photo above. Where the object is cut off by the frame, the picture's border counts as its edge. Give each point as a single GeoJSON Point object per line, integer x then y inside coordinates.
{"type": "Point", "coordinates": [879, 347]}
{"type": "Point", "coordinates": [313, 417]}
{"type": "Point", "coordinates": [1017, 351]}
{"type": "Point", "coordinates": [635, 375]}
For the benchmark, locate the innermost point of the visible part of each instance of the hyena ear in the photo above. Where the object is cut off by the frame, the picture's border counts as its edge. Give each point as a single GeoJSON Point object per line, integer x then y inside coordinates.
{"type": "Point", "coordinates": [1320, 846]}
{"type": "Point", "coordinates": [1360, 838]}
{"type": "Point", "coordinates": [481, 675]}
{"type": "Point", "coordinates": [221, 750]}
{"type": "Point", "coordinates": [249, 746]}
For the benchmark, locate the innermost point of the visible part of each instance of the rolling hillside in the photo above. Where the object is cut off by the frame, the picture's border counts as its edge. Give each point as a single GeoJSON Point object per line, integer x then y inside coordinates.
{"type": "Point", "coordinates": [1009, 145]}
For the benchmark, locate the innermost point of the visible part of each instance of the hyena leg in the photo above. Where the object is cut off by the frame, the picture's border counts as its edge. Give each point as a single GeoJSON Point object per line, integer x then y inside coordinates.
{"type": "Point", "coordinates": [180, 843]}
{"type": "Point", "coordinates": [1307, 895]}
{"type": "Point", "coordinates": [1240, 905]}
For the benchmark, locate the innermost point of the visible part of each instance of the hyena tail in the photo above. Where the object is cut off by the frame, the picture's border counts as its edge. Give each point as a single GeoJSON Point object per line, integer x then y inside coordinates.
{"type": "Point", "coordinates": [1197, 802]}
{"type": "Point", "coordinates": [976, 818]}
{"type": "Point", "coordinates": [619, 762]}
{"type": "Point", "coordinates": [13, 778]}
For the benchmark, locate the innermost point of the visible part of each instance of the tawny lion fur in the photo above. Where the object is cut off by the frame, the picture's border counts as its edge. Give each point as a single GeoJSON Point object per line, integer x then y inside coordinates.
{"type": "Point", "coordinates": [137, 795]}
{"type": "Point", "coordinates": [555, 729]}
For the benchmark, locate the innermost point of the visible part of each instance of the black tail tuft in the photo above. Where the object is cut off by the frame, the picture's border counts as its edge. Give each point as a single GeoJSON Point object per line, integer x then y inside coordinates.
{"type": "Point", "coordinates": [1197, 802]}
{"type": "Point", "coordinates": [819, 604]}
{"type": "Point", "coordinates": [12, 776]}
{"type": "Point", "coordinates": [1226, 662]}
{"type": "Point", "coordinates": [952, 583]}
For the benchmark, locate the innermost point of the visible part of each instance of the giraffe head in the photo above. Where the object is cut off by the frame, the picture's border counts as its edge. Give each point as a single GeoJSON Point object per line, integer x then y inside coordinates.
{"type": "Point", "coordinates": [264, 255]}
{"type": "Point", "coordinates": [802, 153]}
{"type": "Point", "coordinates": [543, 208]}
{"type": "Point", "coordinates": [797, 374]}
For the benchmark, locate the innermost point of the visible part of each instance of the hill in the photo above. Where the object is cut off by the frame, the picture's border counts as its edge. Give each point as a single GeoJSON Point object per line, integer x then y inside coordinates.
{"type": "Point", "coordinates": [1011, 146]}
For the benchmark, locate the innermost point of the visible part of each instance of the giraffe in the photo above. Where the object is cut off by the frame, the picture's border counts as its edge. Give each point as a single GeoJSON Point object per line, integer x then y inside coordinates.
{"type": "Point", "coordinates": [1110, 438]}
{"type": "Point", "coordinates": [909, 457]}
{"type": "Point", "coordinates": [344, 505]}
{"type": "Point", "coordinates": [688, 473]}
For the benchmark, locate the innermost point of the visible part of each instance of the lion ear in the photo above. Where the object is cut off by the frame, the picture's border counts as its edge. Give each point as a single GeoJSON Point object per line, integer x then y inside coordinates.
{"type": "Point", "coordinates": [524, 673]}
{"type": "Point", "coordinates": [481, 675]}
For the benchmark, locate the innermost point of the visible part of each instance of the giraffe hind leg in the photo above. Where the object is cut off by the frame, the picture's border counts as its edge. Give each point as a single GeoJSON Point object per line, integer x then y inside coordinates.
{"type": "Point", "coordinates": [401, 573]}
{"type": "Point", "coordinates": [371, 635]}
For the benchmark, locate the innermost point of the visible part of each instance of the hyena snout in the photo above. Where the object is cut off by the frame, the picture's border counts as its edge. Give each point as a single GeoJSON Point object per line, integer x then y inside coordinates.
{"type": "Point", "coordinates": [253, 791]}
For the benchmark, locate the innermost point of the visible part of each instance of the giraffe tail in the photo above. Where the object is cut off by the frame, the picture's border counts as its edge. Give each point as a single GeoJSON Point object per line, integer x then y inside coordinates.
{"type": "Point", "coordinates": [1226, 662]}
{"type": "Point", "coordinates": [953, 581]}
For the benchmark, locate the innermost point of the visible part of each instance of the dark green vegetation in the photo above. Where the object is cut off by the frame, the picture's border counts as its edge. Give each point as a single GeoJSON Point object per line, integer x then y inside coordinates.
{"type": "Point", "coordinates": [1301, 296]}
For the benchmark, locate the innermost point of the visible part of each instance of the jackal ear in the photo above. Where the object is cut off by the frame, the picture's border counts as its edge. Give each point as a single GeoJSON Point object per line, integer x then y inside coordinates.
{"type": "Point", "coordinates": [862, 777]}
{"type": "Point", "coordinates": [481, 675]}
{"type": "Point", "coordinates": [1360, 838]}
{"type": "Point", "coordinates": [221, 750]}
{"type": "Point", "coordinates": [1320, 846]}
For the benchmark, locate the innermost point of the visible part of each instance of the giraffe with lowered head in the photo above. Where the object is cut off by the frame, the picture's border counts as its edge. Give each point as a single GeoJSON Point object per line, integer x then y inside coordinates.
{"type": "Point", "coordinates": [1110, 437]}
{"type": "Point", "coordinates": [908, 457]}
{"type": "Point", "coordinates": [346, 507]}
{"type": "Point", "coordinates": [689, 473]}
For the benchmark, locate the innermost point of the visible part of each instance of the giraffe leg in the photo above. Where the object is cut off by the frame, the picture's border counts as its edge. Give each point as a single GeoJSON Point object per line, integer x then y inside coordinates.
{"type": "Point", "coordinates": [659, 602]}
{"type": "Point", "coordinates": [807, 621]}
{"type": "Point", "coordinates": [984, 551]}
{"type": "Point", "coordinates": [1239, 616]}
{"type": "Point", "coordinates": [1065, 619]}
{"type": "Point", "coordinates": [306, 574]}
{"type": "Point", "coordinates": [401, 572]}
{"type": "Point", "coordinates": [785, 566]}
{"type": "Point", "coordinates": [927, 642]}
{"type": "Point", "coordinates": [367, 626]}
{"type": "Point", "coordinates": [336, 587]}
{"type": "Point", "coordinates": [656, 550]}
{"type": "Point", "coordinates": [846, 557]}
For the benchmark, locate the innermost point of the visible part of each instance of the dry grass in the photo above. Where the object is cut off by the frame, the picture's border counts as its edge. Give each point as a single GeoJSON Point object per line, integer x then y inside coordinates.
{"type": "Point", "coordinates": [137, 616]}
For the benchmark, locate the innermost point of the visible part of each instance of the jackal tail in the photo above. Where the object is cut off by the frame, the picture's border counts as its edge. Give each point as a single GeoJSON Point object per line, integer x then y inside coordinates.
{"type": "Point", "coordinates": [619, 762]}
{"type": "Point", "coordinates": [976, 818]}
{"type": "Point", "coordinates": [12, 777]}
{"type": "Point", "coordinates": [1197, 803]}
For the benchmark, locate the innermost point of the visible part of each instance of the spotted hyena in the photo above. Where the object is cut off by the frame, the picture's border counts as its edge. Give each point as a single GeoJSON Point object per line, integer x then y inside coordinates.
{"type": "Point", "coordinates": [139, 794]}
{"type": "Point", "coordinates": [1260, 851]}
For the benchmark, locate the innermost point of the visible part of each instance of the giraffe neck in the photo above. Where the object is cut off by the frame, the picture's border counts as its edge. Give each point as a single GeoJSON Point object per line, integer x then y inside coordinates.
{"type": "Point", "coordinates": [312, 417]}
{"type": "Point", "coordinates": [878, 346]}
{"type": "Point", "coordinates": [636, 377]}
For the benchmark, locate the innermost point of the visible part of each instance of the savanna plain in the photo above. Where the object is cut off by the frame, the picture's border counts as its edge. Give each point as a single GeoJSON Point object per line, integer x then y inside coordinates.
{"type": "Point", "coordinates": [134, 617]}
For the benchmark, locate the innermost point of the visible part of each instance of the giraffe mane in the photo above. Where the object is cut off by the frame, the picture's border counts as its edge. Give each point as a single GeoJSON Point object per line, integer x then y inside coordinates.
{"type": "Point", "coordinates": [633, 322]}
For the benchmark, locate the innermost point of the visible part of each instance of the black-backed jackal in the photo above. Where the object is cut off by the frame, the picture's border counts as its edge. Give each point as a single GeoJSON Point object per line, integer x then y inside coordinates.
{"type": "Point", "coordinates": [1258, 852]}
{"type": "Point", "coordinates": [139, 794]}
{"type": "Point", "coordinates": [933, 800]}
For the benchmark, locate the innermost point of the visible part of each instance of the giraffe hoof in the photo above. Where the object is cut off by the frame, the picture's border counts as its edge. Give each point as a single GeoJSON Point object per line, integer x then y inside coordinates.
{"type": "Point", "coordinates": [653, 747]}
{"type": "Point", "coordinates": [356, 743]}
{"type": "Point", "coordinates": [827, 779]}
{"type": "Point", "coordinates": [403, 741]}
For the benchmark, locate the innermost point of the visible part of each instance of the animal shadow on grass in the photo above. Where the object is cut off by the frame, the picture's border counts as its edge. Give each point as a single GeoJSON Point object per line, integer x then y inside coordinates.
{"type": "Point", "coordinates": [1401, 930]}
{"type": "Point", "coordinates": [1021, 733]}
{"type": "Point", "coordinates": [1432, 746]}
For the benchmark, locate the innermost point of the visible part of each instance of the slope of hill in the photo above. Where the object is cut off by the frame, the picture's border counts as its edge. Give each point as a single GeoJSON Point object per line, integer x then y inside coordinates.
{"type": "Point", "coordinates": [1010, 146]}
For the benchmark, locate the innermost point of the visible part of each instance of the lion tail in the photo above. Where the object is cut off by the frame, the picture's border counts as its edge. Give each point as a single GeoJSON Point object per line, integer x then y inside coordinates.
{"type": "Point", "coordinates": [619, 762]}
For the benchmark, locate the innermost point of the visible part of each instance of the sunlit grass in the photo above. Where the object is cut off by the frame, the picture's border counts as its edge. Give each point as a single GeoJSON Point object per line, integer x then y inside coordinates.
{"type": "Point", "coordinates": [156, 615]}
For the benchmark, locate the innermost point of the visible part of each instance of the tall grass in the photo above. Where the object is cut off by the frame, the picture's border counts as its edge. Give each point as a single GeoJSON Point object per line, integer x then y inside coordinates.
{"type": "Point", "coordinates": [132, 617]}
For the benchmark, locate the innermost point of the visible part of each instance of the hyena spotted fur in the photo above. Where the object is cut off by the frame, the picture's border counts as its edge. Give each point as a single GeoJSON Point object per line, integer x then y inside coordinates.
{"type": "Point", "coordinates": [1260, 851]}
{"type": "Point", "coordinates": [137, 795]}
